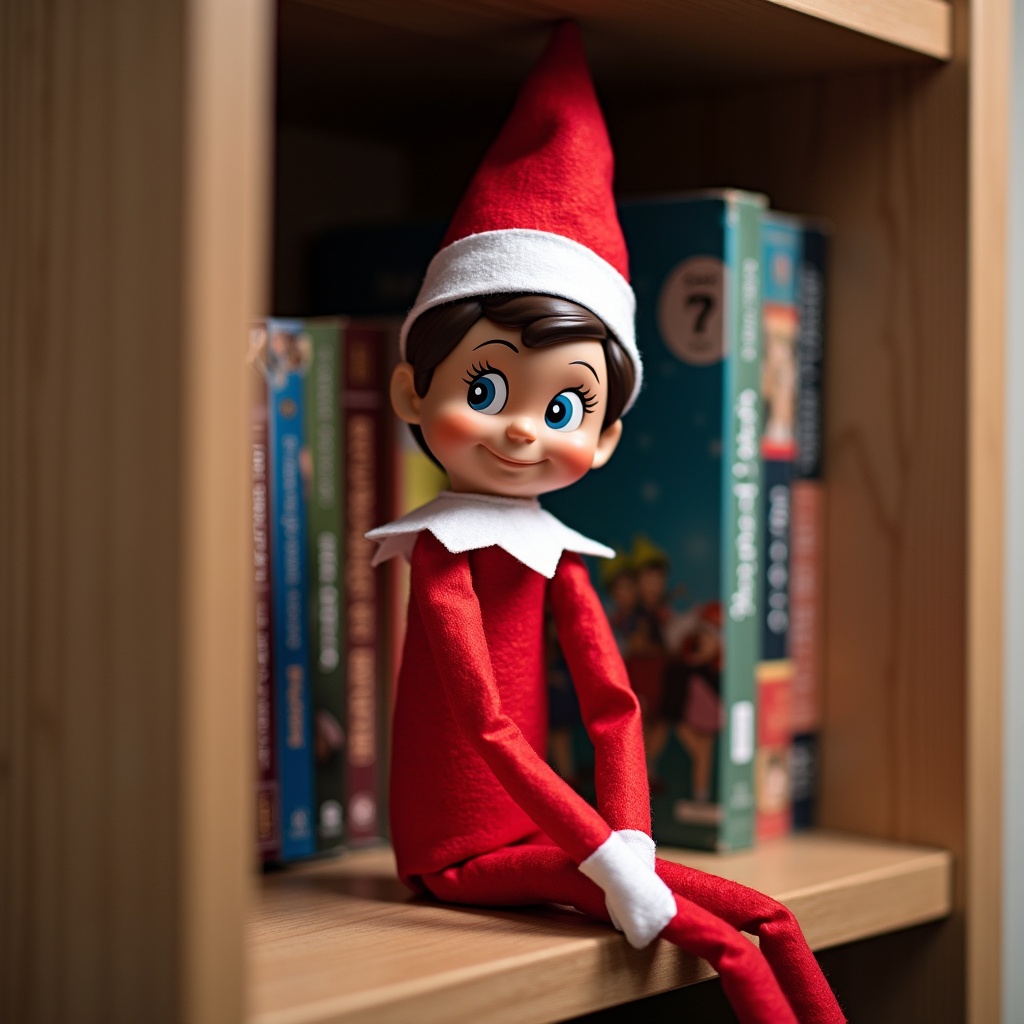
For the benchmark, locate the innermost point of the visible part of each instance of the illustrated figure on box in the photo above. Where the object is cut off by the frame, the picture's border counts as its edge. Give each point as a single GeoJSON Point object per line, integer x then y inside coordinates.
{"type": "Point", "coordinates": [520, 359]}
{"type": "Point", "coordinates": [618, 578]}
{"type": "Point", "coordinates": [691, 705]}
{"type": "Point", "coordinates": [564, 717]}
{"type": "Point", "coordinates": [778, 373]}
{"type": "Point", "coordinates": [646, 654]}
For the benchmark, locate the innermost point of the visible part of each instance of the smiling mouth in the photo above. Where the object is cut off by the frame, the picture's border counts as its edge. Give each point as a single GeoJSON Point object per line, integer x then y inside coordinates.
{"type": "Point", "coordinates": [511, 462]}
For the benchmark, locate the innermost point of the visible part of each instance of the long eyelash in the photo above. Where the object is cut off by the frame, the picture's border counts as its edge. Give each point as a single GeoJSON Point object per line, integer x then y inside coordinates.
{"type": "Point", "coordinates": [590, 400]}
{"type": "Point", "coordinates": [476, 371]}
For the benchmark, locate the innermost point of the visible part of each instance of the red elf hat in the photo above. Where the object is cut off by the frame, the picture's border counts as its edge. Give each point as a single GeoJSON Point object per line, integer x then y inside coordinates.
{"type": "Point", "coordinates": [539, 216]}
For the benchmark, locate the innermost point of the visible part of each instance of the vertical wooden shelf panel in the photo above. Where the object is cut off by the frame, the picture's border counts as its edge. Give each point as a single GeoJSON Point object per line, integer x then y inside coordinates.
{"type": "Point", "coordinates": [132, 203]}
{"type": "Point", "coordinates": [228, 56]}
{"type": "Point", "coordinates": [988, 204]}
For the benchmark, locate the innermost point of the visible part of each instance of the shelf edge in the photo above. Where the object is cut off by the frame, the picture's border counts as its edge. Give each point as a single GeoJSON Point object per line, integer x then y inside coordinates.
{"type": "Point", "coordinates": [921, 25]}
{"type": "Point", "coordinates": [597, 969]}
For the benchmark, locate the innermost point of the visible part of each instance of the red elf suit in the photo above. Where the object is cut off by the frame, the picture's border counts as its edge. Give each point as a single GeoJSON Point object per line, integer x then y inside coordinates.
{"type": "Point", "coordinates": [477, 815]}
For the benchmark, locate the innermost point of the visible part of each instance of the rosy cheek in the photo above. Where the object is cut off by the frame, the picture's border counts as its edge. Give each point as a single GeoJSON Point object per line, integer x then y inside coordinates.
{"type": "Point", "coordinates": [453, 426]}
{"type": "Point", "coordinates": [576, 454]}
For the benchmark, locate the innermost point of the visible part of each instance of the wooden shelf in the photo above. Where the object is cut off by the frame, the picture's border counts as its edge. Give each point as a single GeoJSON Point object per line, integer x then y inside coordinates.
{"type": "Point", "coordinates": [342, 940]}
{"type": "Point", "coordinates": [922, 26]}
{"type": "Point", "coordinates": [138, 194]}
{"type": "Point", "coordinates": [405, 61]}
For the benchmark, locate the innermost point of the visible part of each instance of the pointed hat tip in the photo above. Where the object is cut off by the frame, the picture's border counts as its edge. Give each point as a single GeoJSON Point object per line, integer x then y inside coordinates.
{"type": "Point", "coordinates": [566, 39]}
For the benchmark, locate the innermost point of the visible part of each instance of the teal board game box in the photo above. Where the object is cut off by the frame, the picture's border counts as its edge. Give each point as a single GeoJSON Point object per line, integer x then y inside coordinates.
{"type": "Point", "coordinates": [681, 502]}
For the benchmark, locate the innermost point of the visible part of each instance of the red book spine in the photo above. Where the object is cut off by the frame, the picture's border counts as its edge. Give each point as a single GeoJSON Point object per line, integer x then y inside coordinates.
{"type": "Point", "coordinates": [268, 823]}
{"type": "Point", "coordinates": [367, 475]}
{"type": "Point", "coordinates": [774, 740]}
{"type": "Point", "coordinates": [807, 584]}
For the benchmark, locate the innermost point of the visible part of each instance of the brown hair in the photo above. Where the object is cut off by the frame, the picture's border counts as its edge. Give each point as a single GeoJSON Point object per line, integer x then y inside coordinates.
{"type": "Point", "coordinates": [543, 319]}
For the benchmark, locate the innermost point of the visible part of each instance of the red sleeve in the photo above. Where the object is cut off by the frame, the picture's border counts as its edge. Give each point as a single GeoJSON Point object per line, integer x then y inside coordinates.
{"type": "Point", "coordinates": [443, 589]}
{"type": "Point", "coordinates": [609, 706]}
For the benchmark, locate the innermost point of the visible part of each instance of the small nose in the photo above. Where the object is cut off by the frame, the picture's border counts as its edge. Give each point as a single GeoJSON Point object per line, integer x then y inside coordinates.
{"type": "Point", "coordinates": [521, 428]}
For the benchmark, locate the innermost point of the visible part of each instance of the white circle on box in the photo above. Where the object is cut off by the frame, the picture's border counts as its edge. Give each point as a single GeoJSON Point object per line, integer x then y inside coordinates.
{"type": "Point", "coordinates": [330, 819]}
{"type": "Point", "coordinates": [362, 810]}
{"type": "Point", "coordinates": [691, 311]}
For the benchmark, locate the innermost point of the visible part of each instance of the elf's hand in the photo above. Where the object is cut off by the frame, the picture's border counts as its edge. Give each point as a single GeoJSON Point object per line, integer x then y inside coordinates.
{"type": "Point", "coordinates": [639, 903]}
{"type": "Point", "coordinates": [640, 843]}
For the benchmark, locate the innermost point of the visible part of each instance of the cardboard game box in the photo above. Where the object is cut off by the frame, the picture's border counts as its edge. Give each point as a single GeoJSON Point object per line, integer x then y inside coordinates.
{"type": "Point", "coordinates": [681, 502]}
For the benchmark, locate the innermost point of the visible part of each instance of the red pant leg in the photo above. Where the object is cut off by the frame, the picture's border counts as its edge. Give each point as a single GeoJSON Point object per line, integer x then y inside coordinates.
{"type": "Point", "coordinates": [782, 942]}
{"type": "Point", "coordinates": [516, 876]}
{"type": "Point", "coordinates": [532, 874]}
{"type": "Point", "coordinates": [747, 980]}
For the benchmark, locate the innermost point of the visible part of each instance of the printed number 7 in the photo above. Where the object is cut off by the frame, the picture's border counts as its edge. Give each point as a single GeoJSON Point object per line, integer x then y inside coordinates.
{"type": "Point", "coordinates": [706, 303]}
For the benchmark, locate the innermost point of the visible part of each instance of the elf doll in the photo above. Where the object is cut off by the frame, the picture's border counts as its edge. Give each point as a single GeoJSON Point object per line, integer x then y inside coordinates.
{"type": "Point", "coordinates": [519, 361]}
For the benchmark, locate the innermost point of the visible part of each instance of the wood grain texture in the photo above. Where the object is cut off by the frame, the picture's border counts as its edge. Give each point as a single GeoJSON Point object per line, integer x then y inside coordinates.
{"type": "Point", "coordinates": [344, 941]}
{"type": "Point", "coordinates": [91, 290]}
{"type": "Point", "coordinates": [922, 26]}
{"type": "Point", "coordinates": [123, 654]}
{"type": "Point", "coordinates": [227, 173]}
{"type": "Point", "coordinates": [990, 43]}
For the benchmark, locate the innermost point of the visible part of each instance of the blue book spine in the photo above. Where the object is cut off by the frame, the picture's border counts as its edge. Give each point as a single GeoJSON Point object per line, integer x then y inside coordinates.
{"type": "Point", "coordinates": [286, 362]}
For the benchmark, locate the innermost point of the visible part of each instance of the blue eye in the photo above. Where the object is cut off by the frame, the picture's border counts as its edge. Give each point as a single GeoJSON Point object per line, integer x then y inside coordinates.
{"type": "Point", "coordinates": [565, 411]}
{"type": "Point", "coordinates": [488, 393]}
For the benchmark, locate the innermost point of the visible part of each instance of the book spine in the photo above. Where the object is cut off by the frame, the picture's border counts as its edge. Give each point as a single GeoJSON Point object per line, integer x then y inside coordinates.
{"type": "Point", "coordinates": [289, 574]}
{"type": "Point", "coordinates": [781, 238]}
{"type": "Point", "coordinates": [367, 471]}
{"type": "Point", "coordinates": [268, 818]}
{"type": "Point", "coordinates": [325, 562]}
{"type": "Point", "coordinates": [742, 515]}
{"type": "Point", "coordinates": [808, 526]}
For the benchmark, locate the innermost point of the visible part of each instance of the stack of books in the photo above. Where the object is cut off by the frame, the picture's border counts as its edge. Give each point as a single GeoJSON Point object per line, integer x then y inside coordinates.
{"type": "Point", "coordinates": [321, 477]}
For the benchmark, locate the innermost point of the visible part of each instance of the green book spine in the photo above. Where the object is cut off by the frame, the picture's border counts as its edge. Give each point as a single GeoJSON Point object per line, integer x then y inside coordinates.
{"type": "Point", "coordinates": [742, 519]}
{"type": "Point", "coordinates": [325, 562]}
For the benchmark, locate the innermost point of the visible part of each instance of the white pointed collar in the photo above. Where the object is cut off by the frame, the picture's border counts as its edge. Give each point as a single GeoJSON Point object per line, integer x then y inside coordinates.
{"type": "Point", "coordinates": [467, 522]}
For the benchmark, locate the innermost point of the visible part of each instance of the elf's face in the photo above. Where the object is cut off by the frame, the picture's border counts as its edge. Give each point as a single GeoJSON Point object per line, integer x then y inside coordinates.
{"type": "Point", "coordinates": [506, 419]}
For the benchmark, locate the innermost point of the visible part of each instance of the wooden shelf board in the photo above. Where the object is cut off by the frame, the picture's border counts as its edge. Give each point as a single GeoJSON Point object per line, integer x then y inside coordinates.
{"type": "Point", "coordinates": [923, 26]}
{"type": "Point", "coordinates": [342, 939]}
{"type": "Point", "coordinates": [414, 64]}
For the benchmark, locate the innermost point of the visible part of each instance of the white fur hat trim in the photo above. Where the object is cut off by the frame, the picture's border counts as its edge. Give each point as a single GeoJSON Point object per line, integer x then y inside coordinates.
{"type": "Point", "coordinates": [538, 263]}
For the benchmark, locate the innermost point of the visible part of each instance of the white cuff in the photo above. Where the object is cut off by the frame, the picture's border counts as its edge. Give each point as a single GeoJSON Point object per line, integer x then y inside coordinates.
{"type": "Point", "coordinates": [640, 843]}
{"type": "Point", "coordinates": [639, 902]}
